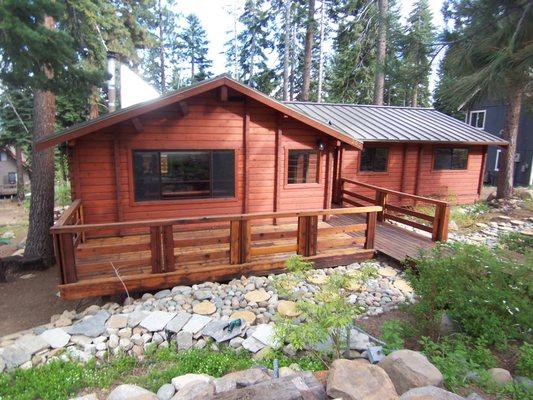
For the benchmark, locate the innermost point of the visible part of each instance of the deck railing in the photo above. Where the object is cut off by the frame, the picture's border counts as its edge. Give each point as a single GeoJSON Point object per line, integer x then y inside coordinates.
{"type": "Point", "coordinates": [163, 246]}
{"type": "Point", "coordinates": [435, 223]}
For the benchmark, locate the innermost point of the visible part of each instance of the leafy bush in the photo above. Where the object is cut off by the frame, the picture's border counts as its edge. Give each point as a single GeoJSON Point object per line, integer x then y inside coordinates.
{"type": "Point", "coordinates": [524, 365]}
{"type": "Point", "coordinates": [485, 291]}
{"type": "Point", "coordinates": [518, 242]}
{"type": "Point", "coordinates": [392, 333]}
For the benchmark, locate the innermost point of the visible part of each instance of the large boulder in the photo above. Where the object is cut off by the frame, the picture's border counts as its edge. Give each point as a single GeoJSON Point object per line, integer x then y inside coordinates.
{"type": "Point", "coordinates": [352, 380]}
{"type": "Point", "coordinates": [131, 392]}
{"type": "Point", "coordinates": [410, 369]}
{"type": "Point", "coordinates": [500, 375]}
{"type": "Point", "coordinates": [429, 393]}
{"type": "Point", "coordinates": [195, 391]}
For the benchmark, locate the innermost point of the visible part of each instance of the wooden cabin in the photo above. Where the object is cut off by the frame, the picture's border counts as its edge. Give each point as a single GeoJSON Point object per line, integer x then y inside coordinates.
{"type": "Point", "coordinates": [218, 180]}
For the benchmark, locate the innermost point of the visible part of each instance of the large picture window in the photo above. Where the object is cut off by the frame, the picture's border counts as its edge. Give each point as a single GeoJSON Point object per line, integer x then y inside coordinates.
{"type": "Point", "coordinates": [374, 159]}
{"type": "Point", "coordinates": [190, 174]}
{"type": "Point", "coordinates": [302, 166]}
{"type": "Point", "coordinates": [450, 158]}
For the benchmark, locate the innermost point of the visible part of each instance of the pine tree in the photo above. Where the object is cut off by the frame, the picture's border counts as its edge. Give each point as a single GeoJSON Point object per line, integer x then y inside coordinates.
{"type": "Point", "coordinates": [308, 50]}
{"type": "Point", "coordinates": [417, 52]}
{"type": "Point", "coordinates": [195, 49]}
{"type": "Point", "coordinates": [381, 53]}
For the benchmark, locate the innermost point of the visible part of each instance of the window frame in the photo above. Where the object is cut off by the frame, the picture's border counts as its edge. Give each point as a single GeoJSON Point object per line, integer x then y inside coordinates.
{"type": "Point", "coordinates": [372, 172]}
{"type": "Point", "coordinates": [286, 184]}
{"type": "Point", "coordinates": [131, 181]}
{"type": "Point", "coordinates": [497, 160]}
{"type": "Point", "coordinates": [471, 113]}
{"type": "Point", "coordinates": [9, 174]}
{"type": "Point", "coordinates": [434, 159]}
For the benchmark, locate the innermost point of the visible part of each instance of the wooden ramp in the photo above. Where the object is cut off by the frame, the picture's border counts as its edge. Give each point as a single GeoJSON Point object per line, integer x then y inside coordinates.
{"type": "Point", "coordinates": [390, 240]}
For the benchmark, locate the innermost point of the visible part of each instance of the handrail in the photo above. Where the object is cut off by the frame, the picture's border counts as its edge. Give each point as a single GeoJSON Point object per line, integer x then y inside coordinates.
{"type": "Point", "coordinates": [390, 191]}
{"type": "Point", "coordinates": [215, 218]}
{"type": "Point", "coordinates": [68, 213]}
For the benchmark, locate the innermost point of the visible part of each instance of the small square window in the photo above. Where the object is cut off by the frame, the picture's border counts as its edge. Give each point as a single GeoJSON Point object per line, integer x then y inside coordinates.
{"type": "Point", "coordinates": [450, 158]}
{"type": "Point", "coordinates": [477, 119]}
{"type": "Point", "coordinates": [302, 166]}
{"type": "Point", "coordinates": [3, 156]}
{"type": "Point", "coordinates": [11, 178]}
{"type": "Point", "coordinates": [374, 159]}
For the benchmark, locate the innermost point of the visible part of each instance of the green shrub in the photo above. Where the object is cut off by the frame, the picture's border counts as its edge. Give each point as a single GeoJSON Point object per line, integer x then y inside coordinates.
{"type": "Point", "coordinates": [62, 193]}
{"type": "Point", "coordinates": [467, 216]}
{"type": "Point", "coordinates": [524, 365]}
{"type": "Point", "coordinates": [485, 291]}
{"type": "Point", "coordinates": [392, 333]}
{"type": "Point", "coordinates": [518, 242]}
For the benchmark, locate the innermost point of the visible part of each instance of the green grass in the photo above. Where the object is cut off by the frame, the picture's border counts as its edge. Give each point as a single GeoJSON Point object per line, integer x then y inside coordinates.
{"type": "Point", "coordinates": [59, 380]}
{"type": "Point", "coordinates": [467, 216]}
{"type": "Point", "coordinates": [517, 242]}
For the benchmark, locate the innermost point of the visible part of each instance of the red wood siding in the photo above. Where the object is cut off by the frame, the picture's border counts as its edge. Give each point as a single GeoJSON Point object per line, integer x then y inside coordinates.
{"type": "Point", "coordinates": [459, 187]}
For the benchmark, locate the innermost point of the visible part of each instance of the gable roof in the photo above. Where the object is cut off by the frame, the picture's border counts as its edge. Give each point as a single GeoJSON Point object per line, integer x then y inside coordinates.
{"type": "Point", "coordinates": [131, 112]}
{"type": "Point", "coordinates": [369, 123]}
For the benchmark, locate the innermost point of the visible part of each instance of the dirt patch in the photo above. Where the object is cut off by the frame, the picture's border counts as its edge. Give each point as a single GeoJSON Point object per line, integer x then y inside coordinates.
{"type": "Point", "coordinates": [30, 299]}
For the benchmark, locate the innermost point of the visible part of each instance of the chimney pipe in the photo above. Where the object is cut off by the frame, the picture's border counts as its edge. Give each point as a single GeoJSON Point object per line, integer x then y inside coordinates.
{"type": "Point", "coordinates": [111, 83]}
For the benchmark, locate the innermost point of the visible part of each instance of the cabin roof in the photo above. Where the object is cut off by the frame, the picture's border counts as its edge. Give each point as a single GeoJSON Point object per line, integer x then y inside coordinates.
{"type": "Point", "coordinates": [369, 123]}
{"type": "Point", "coordinates": [136, 110]}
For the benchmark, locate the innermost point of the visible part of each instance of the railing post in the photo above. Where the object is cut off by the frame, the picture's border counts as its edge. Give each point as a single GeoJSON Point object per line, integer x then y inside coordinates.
{"type": "Point", "coordinates": [156, 249]}
{"type": "Point", "coordinates": [240, 241]}
{"type": "Point", "coordinates": [371, 218]}
{"type": "Point", "coordinates": [68, 257]}
{"type": "Point", "coordinates": [440, 224]}
{"type": "Point", "coordinates": [381, 200]}
{"type": "Point", "coordinates": [246, 240]}
{"type": "Point", "coordinates": [168, 248]}
{"type": "Point", "coordinates": [307, 237]}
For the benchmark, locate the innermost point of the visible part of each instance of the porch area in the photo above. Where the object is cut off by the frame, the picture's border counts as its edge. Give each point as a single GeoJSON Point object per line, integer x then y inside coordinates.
{"type": "Point", "coordinates": [106, 259]}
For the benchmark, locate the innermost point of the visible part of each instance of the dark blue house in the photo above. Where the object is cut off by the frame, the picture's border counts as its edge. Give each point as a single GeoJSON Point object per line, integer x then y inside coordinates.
{"type": "Point", "coordinates": [490, 115]}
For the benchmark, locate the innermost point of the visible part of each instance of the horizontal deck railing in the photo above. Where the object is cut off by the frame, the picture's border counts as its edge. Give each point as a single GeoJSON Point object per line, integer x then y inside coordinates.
{"type": "Point", "coordinates": [435, 223]}
{"type": "Point", "coordinates": [162, 248]}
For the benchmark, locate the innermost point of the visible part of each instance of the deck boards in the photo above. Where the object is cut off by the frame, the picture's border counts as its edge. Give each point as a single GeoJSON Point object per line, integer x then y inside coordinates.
{"type": "Point", "coordinates": [392, 241]}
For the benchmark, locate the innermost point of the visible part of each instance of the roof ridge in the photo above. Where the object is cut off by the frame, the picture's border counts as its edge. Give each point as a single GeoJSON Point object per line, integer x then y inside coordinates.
{"type": "Point", "coordinates": [356, 105]}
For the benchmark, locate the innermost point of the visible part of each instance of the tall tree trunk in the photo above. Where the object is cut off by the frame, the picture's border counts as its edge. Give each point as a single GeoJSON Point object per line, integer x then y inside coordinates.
{"type": "Point", "coordinates": [293, 52]}
{"type": "Point", "coordinates": [20, 174]}
{"type": "Point", "coordinates": [510, 133]}
{"type": "Point", "coordinates": [39, 241]}
{"type": "Point", "coordinates": [321, 52]}
{"type": "Point", "coordinates": [308, 51]}
{"type": "Point", "coordinates": [414, 99]}
{"type": "Point", "coordinates": [286, 50]}
{"type": "Point", "coordinates": [379, 80]}
{"type": "Point", "coordinates": [95, 95]}
{"type": "Point", "coordinates": [162, 50]}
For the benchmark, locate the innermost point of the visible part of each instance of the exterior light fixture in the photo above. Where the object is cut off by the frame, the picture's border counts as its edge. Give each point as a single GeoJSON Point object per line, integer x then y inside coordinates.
{"type": "Point", "coordinates": [320, 144]}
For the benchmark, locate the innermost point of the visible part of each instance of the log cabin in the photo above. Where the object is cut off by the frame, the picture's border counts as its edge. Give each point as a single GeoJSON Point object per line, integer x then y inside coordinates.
{"type": "Point", "coordinates": [218, 180]}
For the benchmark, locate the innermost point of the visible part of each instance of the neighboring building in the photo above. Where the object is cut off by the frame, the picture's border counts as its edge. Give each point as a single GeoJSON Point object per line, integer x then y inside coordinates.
{"type": "Point", "coordinates": [8, 172]}
{"type": "Point", "coordinates": [490, 117]}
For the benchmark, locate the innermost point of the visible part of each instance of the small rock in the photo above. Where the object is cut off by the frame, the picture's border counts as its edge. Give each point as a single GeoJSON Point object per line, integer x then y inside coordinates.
{"type": "Point", "coordinates": [204, 308]}
{"type": "Point", "coordinates": [131, 392]}
{"type": "Point", "coordinates": [474, 396]}
{"type": "Point", "coordinates": [180, 381]}
{"type": "Point", "coordinates": [248, 377]}
{"type": "Point", "coordinates": [162, 294]}
{"type": "Point", "coordinates": [56, 337]}
{"type": "Point", "coordinates": [117, 321]}
{"type": "Point", "coordinates": [166, 392]}
{"type": "Point", "coordinates": [500, 375]}
{"type": "Point", "coordinates": [429, 393]}
{"type": "Point", "coordinates": [184, 340]}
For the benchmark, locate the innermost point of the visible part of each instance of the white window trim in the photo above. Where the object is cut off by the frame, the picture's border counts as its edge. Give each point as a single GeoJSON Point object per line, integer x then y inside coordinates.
{"type": "Point", "coordinates": [498, 151]}
{"type": "Point", "coordinates": [484, 112]}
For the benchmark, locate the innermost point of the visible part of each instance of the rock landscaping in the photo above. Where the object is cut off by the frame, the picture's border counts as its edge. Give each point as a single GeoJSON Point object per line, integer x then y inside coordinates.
{"type": "Point", "coordinates": [188, 317]}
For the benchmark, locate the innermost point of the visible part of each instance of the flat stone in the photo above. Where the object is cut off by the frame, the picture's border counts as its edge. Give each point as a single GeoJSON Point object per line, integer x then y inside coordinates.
{"type": "Point", "coordinates": [352, 380]}
{"type": "Point", "coordinates": [224, 384]}
{"type": "Point", "coordinates": [256, 296]}
{"type": "Point", "coordinates": [219, 330]}
{"type": "Point", "coordinates": [15, 356]}
{"type": "Point", "coordinates": [387, 271]}
{"type": "Point", "coordinates": [403, 285]}
{"type": "Point", "coordinates": [429, 393]}
{"type": "Point", "coordinates": [157, 320]}
{"type": "Point", "coordinates": [288, 308]}
{"type": "Point", "coordinates": [178, 322]}
{"type": "Point", "coordinates": [317, 279]}
{"type": "Point", "coordinates": [136, 317]}
{"type": "Point", "coordinates": [31, 343]}
{"type": "Point", "coordinates": [166, 392]}
{"type": "Point", "coordinates": [265, 334]}
{"type": "Point", "coordinates": [248, 316]}
{"type": "Point", "coordinates": [162, 294]}
{"type": "Point", "coordinates": [117, 321]}
{"type": "Point", "coordinates": [196, 323]}
{"type": "Point", "coordinates": [184, 340]}
{"type": "Point", "coordinates": [500, 375]}
{"type": "Point", "coordinates": [180, 381]}
{"type": "Point", "coordinates": [131, 392]}
{"type": "Point", "coordinates": [56, 337]}
{"type": "Point", "coordinates": [359, 341]}
{"type": "Point", "coordinates": [248, 377]}
{"type": "Point", "coordinates": [202, 295]}
{"type": "Point", "coordinates": [195, 391]}
{"type": "Point", "coordinates": [93, 326]}
{"type": "Point", "coordinates": [252, 345]}
{"type": "Point", "coordinates": [204, 308]}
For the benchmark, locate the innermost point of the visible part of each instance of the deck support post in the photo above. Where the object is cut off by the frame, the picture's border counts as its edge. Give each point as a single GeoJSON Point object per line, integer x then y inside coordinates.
{"type": "Point", "coordinates": [371, 219]}
{"type": "Point", "coordinates": [381, 200]}
{"type": "Point", "coordinates": [307, 236]}
{"type": "Point", "coordinates": [155, 249]}
{"type": "Point", "coordinates": [440, 224]}
{"type": "Point", "coordinates": [240, 241]}
{"type": "Point", "coordinates": [168, 248]}
{"type": "Point", "coordinates": [68, 257]}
